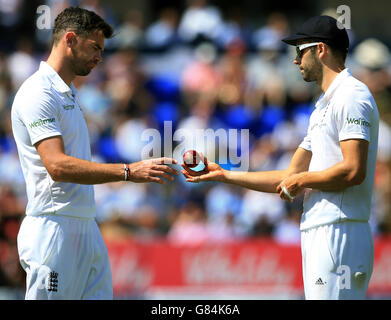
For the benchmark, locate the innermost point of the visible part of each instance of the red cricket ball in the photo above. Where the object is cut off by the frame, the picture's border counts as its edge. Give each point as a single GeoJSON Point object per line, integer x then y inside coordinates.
{"type": "Point", "coordinates": [191, 158]}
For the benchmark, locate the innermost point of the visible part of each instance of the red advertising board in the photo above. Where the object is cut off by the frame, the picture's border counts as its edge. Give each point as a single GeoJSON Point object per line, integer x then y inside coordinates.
{"type": "Point", "coordinates": [252, 268]}
{"type": "Point", "coordinates": [380, 284]}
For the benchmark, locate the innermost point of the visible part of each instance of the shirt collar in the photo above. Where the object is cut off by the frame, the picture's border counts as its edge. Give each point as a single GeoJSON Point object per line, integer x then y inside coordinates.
{"type": "Point", "coordinates": [325, 98]}
{"type": "Point", "coordinates": [56, 80]}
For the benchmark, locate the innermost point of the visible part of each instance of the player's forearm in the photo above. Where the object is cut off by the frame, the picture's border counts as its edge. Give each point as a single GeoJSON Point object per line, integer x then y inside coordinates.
{"type": "Point", "coordinates": [74, 170]}
{"type": "Point", "coordinates": [263, 181]}
{"type": "Point", "coordinates": [335, 178]}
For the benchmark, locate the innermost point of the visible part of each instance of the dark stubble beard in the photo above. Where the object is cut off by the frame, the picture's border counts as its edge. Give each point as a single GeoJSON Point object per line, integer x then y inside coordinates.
{"type": "Point", "coordinates": [313, 70]}
{"type": "Point", "coordinates": [79, 67]}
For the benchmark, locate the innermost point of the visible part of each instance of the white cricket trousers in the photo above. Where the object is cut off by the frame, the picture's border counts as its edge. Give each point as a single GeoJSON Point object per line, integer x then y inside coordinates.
{"type": "Point", "coordinates": [65, 258]}
{"type": "Point", "coordinates": [337, 261]}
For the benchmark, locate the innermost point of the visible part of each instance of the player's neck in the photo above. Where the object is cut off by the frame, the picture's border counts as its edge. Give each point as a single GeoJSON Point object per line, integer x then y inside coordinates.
{"type": "Point", "coordinates": [59, 63]}
{"type": "Point", "coordinates": [329, 74]}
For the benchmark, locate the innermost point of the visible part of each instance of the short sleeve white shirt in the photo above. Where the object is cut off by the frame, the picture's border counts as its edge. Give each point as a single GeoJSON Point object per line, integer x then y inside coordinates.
{"type": "Point", "coordinates": [45, 106]}
{"type": "Point", "coordinates": [347, 110]}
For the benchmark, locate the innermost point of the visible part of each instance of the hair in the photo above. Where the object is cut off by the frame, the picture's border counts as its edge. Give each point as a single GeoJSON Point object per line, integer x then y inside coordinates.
{"type": "Point", "coordinates": [338, 53]}
{"type": "Point", "coordinates": [81, 21]}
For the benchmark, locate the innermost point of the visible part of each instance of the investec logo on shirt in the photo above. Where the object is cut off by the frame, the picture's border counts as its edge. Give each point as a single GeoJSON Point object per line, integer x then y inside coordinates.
{"type": "Point", "coordinates": [41, 122]}
{"type": "Point", "coordinates": [360, 122]}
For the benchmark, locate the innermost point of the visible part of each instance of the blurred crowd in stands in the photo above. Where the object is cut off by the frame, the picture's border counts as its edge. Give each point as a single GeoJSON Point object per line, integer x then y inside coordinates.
{"type": "Point", "coordinates": [196, 69]}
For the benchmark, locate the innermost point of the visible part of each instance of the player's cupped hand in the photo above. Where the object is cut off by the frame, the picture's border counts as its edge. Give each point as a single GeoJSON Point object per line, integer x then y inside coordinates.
{"type": "Point", "coordinates": [290, 188]}
{"type": "Point", "coordinates": [211, 172]}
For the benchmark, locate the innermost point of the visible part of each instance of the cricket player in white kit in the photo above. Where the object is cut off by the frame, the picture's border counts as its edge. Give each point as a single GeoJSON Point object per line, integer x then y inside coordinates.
{"type": "Point", "coordinates": [334, 166]}
{"type": "Point", "coordinates": [59, 243]}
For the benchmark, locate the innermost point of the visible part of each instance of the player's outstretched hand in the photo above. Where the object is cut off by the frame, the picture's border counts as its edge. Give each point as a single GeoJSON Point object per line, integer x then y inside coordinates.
{"type": "Point", "coordinates": [153, 170]}
{"type": "Point", "coordinates": [211, 172]}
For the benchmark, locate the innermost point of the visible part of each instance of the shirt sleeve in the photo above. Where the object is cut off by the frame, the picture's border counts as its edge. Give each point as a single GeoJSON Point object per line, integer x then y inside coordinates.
{"type": "Point", "coordinates": [38, 112]}
{"type": "Point", "coordinates": [306, 143]}
{"type": "Point", "coordinates": [353, 119]}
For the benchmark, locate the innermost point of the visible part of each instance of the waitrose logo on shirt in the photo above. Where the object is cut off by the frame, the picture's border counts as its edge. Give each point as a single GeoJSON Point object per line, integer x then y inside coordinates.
{"type": "Point", "coordinates": [41, 122]}
{"type": "Point", "coordinates": [360, 122]}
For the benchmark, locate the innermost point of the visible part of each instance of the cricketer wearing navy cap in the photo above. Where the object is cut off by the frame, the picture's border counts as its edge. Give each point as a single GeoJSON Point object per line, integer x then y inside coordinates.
{"type": "Point", "coordinates": [334, 166]}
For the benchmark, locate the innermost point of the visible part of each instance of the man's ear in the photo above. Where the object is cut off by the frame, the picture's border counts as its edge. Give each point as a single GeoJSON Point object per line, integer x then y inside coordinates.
{"type": "Point", "coordinates": [322, 50]}
{"type": "Point", "coordinates": [70, 38]}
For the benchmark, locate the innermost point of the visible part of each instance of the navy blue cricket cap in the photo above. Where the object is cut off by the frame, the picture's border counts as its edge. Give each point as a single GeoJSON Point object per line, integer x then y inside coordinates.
{"type": "Point", "coordinates": [321, 28]}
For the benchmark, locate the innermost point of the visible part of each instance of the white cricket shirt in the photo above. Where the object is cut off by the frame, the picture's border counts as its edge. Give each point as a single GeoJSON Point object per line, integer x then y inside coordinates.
{"type": "Point", "coordinates": [45, 106]}
{"type": "Point", "coordinates": [347, 110]}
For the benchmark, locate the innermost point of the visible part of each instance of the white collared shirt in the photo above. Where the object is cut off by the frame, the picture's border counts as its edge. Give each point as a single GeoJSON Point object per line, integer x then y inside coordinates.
{"type": "Point", "coordinates": [347, 110]}
{"type": "Point", "coordinates": [45, 106]}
